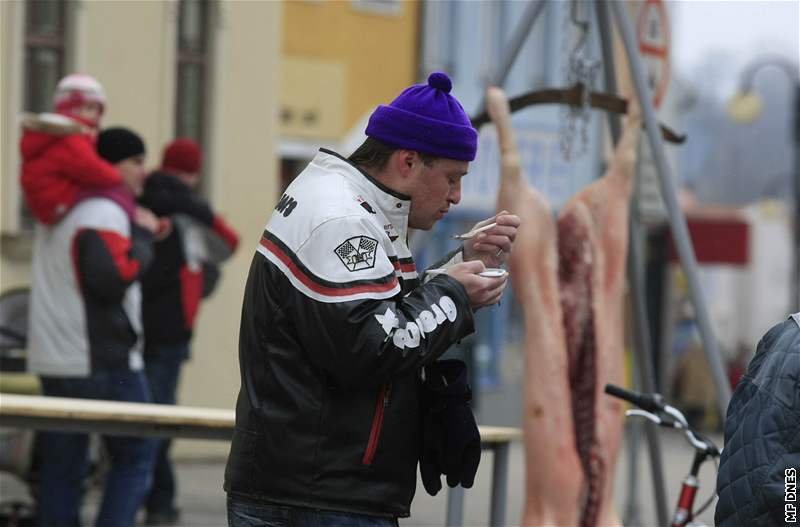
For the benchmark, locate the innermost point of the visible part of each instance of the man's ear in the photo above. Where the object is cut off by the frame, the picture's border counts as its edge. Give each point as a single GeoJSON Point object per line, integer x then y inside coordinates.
{"type": "Point", "coordinates": [405, 161]}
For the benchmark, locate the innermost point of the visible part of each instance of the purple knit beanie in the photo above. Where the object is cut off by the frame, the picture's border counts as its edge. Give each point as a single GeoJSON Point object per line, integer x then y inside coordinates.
{"type": "Point", "coordinates": [426, 118]}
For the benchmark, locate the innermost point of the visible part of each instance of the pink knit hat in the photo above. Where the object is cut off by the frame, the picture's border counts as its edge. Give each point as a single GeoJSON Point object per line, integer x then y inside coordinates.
{"type": "Point", "coordinates": [76, 90]}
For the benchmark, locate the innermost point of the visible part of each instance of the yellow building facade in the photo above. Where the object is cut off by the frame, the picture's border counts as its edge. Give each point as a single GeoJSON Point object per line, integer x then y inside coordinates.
{"type": "Point", "coordinates": [340, 60]}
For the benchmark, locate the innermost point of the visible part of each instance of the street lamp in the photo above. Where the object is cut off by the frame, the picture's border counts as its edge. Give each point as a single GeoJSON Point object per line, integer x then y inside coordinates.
{"type": "Point", "coordinates": [745, 107]}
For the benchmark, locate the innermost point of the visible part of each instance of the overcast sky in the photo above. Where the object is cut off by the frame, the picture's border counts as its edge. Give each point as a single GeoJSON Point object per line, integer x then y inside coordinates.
{"type": "Point", "coordinates": [741, 28]}
{"type": "Point", "coordinates": [713, 41]}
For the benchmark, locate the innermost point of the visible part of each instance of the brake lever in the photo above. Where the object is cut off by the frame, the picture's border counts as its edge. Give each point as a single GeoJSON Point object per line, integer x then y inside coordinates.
{"type": "Point", "coordinates": [642, 413]}
{"type": "Point", "coordinates": [673, 418]}
{"type": "Point", "coordinates": [679, 421]}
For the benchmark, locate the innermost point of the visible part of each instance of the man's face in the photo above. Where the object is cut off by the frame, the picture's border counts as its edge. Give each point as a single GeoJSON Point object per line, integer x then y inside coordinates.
{"type": "Point", "coordinates": [434, 188]}
{"type": "Point", "coordinates": [190, 179]}
{"type": "Point", "coordinates": [133, 174]}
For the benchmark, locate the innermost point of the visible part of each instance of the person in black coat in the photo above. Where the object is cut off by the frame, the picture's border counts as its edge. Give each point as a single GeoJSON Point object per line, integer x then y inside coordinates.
{"type": "Point", "coordinates": [757, 479]}
{"type": "Point", "coordinates": [185, 270]}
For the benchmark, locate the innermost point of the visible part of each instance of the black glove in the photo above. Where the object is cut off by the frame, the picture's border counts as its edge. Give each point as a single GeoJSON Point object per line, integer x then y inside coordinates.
{"type": "Point", "coordinates": [451, 442]}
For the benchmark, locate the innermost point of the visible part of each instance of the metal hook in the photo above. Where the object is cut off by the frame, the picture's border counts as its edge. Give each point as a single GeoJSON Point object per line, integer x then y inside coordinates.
{"type": "Point", "coordinates": [581, 23]}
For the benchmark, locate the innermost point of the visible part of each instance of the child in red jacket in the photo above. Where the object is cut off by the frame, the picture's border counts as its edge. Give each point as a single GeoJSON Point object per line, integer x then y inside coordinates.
{"type": "Point", "coordinates": [58, 150]}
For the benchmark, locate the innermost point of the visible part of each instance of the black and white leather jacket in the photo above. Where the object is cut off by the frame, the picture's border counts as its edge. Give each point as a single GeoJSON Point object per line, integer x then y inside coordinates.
{"type": "Point", "coordinates": [335, 328]}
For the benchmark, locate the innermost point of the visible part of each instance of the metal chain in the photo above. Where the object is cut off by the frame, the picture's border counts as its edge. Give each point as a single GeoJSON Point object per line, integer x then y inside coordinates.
{"type": "Point", "coordinates": [581, 69]}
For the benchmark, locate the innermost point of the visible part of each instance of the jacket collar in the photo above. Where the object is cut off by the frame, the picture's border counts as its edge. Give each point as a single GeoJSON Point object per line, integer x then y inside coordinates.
{"type": "Point", "coordinates": [160, 178]}
{"type": "Point", "coordinates": [394, 205]}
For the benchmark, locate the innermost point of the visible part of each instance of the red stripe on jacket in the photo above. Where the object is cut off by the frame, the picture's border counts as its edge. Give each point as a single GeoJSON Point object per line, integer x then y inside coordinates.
{"type": "Point", "coordinates": [120, 246]}
{"type": "Point", "coordinates": [321, 289]}
{"type": "Point", "coordinates": [191, 294]}
{"type": "Point", "coordinates": [405, 268]}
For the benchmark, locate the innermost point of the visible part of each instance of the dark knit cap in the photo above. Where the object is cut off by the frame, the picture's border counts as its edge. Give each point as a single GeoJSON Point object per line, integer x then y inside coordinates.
{"type": "Point", "coordinates": [182, 155]}
{"type": "Point", "coordinates": [426, 118]}
{"type": "Point", "coordinates": [117, 144]}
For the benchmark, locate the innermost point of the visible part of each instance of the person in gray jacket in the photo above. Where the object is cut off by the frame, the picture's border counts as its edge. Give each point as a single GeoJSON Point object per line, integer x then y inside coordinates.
{"type": "Point", "coordinates": [86, 338]}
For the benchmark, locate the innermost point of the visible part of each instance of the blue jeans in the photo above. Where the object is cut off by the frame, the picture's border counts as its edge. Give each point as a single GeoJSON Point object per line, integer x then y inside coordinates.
{"type": "Point", "coordinates": [64, 456]}
{"type": "Point", "coordinates": [242, 513]}
{"type": "Point", "coordinates": [163, 366]}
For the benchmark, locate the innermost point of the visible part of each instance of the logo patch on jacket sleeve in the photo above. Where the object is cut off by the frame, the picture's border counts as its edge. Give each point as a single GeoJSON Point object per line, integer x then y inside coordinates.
{"type": "Point", "coordinates": [367, 207]}
{"type": "Point", "coordinates": [357, 253]}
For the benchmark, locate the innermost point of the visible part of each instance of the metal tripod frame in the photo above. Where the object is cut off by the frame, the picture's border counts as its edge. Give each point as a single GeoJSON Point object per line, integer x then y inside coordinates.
{"type": "Point", "coordinates": [677, 221]}
{"type": "Point", "coordinates": [641, 328]}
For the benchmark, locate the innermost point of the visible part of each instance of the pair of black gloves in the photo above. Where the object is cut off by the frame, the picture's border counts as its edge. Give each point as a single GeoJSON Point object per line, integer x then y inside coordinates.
{"type": "Point", "coordinates": [451, 442]}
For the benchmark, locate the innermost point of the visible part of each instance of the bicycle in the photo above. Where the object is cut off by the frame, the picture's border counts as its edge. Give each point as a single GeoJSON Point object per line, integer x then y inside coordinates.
{"type": "Point", "coordinates": [653, 408]}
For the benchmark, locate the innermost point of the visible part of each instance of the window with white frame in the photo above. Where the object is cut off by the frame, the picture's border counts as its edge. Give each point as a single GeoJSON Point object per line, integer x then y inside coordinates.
{"type": "Point", "coordinates": [193, 65]}
{"type": "Point", "coordinates": [193, 52]}
{"type": "Point", "coordinates": [45, 50]}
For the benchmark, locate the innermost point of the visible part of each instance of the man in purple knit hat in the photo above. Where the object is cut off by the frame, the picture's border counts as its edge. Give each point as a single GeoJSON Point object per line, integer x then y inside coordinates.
{"type": "Point", "coordinates": [342, 393]}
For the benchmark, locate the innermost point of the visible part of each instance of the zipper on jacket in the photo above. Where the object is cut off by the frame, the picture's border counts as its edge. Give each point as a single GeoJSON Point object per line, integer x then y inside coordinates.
{"type": "Point", "coordinates": [377, 424]}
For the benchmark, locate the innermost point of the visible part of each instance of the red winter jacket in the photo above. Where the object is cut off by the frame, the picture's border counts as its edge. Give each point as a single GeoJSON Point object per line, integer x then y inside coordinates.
{"type": "Point", "coordinates": [57, 161]}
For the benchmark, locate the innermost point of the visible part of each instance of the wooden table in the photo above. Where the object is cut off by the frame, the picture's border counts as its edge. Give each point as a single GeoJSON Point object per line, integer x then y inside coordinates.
{"type": "Point", "coordinates": [155, 420]}
{"type": "Point", "coordinates": [114, 417]}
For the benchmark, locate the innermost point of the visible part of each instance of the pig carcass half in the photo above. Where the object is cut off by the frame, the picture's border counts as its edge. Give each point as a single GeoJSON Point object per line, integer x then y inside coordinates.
{"type": "Point", "coordinates": [568, 274]}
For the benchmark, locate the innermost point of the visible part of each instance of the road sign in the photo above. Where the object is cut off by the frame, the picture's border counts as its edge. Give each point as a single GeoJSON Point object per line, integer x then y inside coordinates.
{"type": "Point", "coordinates": [653, 35]}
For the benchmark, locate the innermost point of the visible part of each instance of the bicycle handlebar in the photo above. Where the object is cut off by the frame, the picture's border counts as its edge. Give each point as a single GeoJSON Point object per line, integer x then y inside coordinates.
{"type": "Point", "coordinates": [651, 403]}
